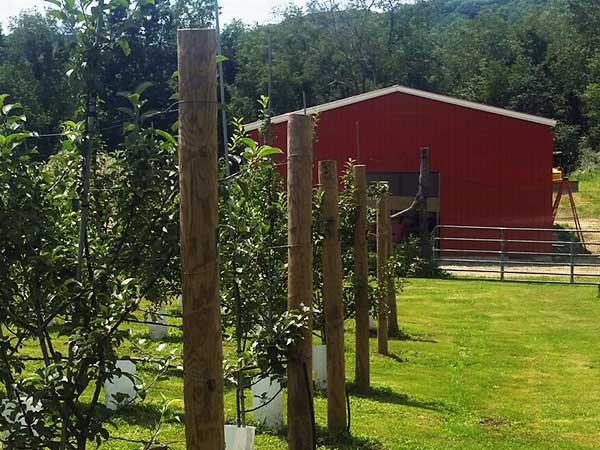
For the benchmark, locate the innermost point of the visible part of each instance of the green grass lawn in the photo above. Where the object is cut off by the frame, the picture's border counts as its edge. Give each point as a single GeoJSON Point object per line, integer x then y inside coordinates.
{"type": "Point", "coordinates": [588, 197]}
{"type": "Point", "coordinates": [489, 366]}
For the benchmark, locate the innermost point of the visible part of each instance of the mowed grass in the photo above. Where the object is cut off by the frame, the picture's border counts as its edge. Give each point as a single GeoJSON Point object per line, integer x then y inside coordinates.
{"type": "Point", "coordinates": [489, 366]}
{"type": "Point", "coordinates": [587, 201]}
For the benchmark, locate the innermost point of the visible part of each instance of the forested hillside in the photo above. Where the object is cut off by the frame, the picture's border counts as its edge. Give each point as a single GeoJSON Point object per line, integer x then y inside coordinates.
{"type": "Point", "coordinates": [535, 56]}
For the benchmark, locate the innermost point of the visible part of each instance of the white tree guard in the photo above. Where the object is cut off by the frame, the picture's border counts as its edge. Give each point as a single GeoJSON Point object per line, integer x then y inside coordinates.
{"type": "Point", "coordinates": [372, 325]}
{"type": "Point", "coordinates": [159, 330]}
{"type": "Point", "coordinates": [120, 385]}
{"type": "Point", "coordinates": [267, 391]}
{"type": "Point", "coordinates": [12, 411]}
{"type": "Point", "coordinates": [239, 438]}
{"type": "Point", "coordinates": [320, 366]}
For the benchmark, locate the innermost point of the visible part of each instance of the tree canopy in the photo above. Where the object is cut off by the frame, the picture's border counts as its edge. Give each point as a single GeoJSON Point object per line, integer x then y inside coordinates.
{"type": "Point", "coordinates": [535, 56]}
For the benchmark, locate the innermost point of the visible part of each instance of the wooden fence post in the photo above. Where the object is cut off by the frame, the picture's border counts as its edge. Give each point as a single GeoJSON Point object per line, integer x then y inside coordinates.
{"type": "Point", "coordinates": [202, 341]}
{"type": "Point", "coordinates": [393, 328]}
{"type": "Point", "coordinates": [383, 245]}
{"type": "Point", "coordinates": [332, 298]}
{"type": "Point", "coordinates": [361, 282]}
{"type": "Point", "coordinates": [300, 278]}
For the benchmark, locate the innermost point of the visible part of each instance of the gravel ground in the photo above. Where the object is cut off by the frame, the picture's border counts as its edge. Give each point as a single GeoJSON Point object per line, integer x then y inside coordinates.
{"type": "Point", "coordinates": [546, 270]}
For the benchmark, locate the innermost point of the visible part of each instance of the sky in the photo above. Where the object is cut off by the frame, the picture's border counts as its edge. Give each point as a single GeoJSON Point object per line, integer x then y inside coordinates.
{"type": "Point", "coordinates": [249, 11]}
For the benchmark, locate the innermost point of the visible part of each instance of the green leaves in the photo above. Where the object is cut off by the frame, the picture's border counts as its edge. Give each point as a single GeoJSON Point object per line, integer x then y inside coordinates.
{"type": "Point", "coordinates": [122, 3]}
{"type": "Point", "coordinates": [6, 109]}
{"type": "Point", "coordinates": [140, 88]}
{"type": "Point", "coordinates": [252, 152]}
{"type": "Point", "coordinates": [252, 222]}
{"type": "Point", "coordinates": [124, 44]}
{"type": "Point", "coordinates": [250, 144]}
{"type": "Point", "coordinates": [267, 150]}
{"type": "Point", "coordinates": [167, 136]}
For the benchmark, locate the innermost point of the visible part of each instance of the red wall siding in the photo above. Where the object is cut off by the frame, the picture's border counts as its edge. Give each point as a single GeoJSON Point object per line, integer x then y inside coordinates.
{"type": "Point", "coordinates": [494, 170]}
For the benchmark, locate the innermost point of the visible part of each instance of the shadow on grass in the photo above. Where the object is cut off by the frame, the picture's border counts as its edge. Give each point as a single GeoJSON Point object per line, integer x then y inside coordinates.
{"type": "Point", "coordinates": [384, 394]}
{"type": "Point", "coordinates": [346, 441]}
{"type": "Point", "coordinates": [140, 414]}
{"type": "Point", "coordinates": [400, 335]}
{"type": "Point", "coordinates": [396, 357]}
{"type": "Point", "coordinates": [62, 328]}
{"type": "Point", "coordinates": [403, 336]}
{"type": "Point", "coordinates": [170, 339]}
{"type": "Point", "coordinates": [419, 338]}
{"type": "Point", "coordinates": [343, 441]}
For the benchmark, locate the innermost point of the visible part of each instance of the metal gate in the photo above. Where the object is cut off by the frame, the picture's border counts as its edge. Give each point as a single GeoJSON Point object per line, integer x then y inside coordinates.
{"type": "Point", "coordinates": [518, 254]}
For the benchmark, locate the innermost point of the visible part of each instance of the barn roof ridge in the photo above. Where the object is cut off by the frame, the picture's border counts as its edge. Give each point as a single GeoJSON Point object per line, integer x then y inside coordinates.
{"type": "Point", "coordinates": [410, 91]}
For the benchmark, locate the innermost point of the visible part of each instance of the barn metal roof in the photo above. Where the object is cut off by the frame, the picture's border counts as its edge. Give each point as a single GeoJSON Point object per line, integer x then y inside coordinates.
{"type": "Point", "coordinates": [410, 91]}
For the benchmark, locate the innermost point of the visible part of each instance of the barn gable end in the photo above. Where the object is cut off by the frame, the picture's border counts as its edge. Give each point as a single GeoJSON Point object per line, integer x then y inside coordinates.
{"type": "Point", "coordinates": [494, 166]}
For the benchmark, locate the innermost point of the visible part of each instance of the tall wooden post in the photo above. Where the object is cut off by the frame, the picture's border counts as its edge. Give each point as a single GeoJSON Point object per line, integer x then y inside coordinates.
{"type": "Point", "coordinates": [419, 205]}
{"type": "Point", "coordinates": [383, 213]}
{"type": "Point", "coordinates": [202, 342]}
{"type": "Point", "coordinates": [393, 328]}
{"type": "Point", "coordinates": [361, 282]}
{"type": "Point", "coordinates": [422, 205]}
{"type": "Point", "coordinates": [299, 184]}
{"type": "Point", "coordinates": [332, 298]}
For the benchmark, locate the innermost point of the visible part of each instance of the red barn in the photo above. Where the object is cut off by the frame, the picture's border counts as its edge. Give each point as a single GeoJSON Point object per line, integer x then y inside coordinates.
{"type": "Point", "coordinates": [490, 166]}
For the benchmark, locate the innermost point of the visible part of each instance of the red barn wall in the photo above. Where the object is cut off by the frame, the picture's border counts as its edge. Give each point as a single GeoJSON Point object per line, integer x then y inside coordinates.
{"type": "Point", "coordinates": [494, 170]}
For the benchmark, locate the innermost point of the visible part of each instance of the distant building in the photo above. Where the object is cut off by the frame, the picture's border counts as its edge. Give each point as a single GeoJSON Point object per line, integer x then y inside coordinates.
{"type": "Point", "coordinates": [490, 166]}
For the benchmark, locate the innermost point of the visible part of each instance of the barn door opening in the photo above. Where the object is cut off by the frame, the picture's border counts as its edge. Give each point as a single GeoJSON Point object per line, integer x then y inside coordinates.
{"type": "Point", "coordinates": [403, 188]}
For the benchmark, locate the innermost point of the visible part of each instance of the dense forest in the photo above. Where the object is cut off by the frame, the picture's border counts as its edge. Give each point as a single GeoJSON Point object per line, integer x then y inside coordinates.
{"type": "Point", "coordinates": [535, 56]}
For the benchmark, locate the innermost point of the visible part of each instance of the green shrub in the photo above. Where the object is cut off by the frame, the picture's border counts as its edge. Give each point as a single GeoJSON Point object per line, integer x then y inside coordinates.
{"type": "Point", "coordinates": [408, 262]}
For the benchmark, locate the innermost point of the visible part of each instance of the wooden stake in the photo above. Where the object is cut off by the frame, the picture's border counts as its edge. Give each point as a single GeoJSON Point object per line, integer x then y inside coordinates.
{"type": "Point", "coordinates": [332, 298]}
{"type": "Point", "coordinates": [202, 342]}
{"type": "Point", "coordinates": [361, 282]}
{"type": "Point", "coordinates": [393, 328]}
{"type": "Point", "coordinates": [383, 212]}
{"type": "Point", "coordinates": [299, 184]}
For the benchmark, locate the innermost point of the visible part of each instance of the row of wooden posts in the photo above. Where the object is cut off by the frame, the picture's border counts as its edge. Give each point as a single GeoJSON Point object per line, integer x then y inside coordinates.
{"type": "Point", "coordinates": [203, 353]}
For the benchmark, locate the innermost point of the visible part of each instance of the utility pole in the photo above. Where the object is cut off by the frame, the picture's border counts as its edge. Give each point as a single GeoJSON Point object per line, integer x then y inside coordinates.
{"type": "Point", "coordinates": [269, 90]}
{"type": "Point", "coordinates": [92, 103]}
{"type": "Point", "coordinates": [383, 246]}
{"type": "Point", "coordinates": [300, 280]}
{"type": "Point", "coordinates": [361, 282]}
{"type": "Point", "coordinates": [198, 173]}
{"type": "Point", "coordinates": [332, 298]}
{"type": "Point", "coordinates": [222, 92]}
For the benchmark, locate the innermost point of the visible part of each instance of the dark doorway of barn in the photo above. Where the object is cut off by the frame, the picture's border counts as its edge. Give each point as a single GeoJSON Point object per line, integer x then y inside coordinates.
{"type": "Point", "coordinates": [403, 189]}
